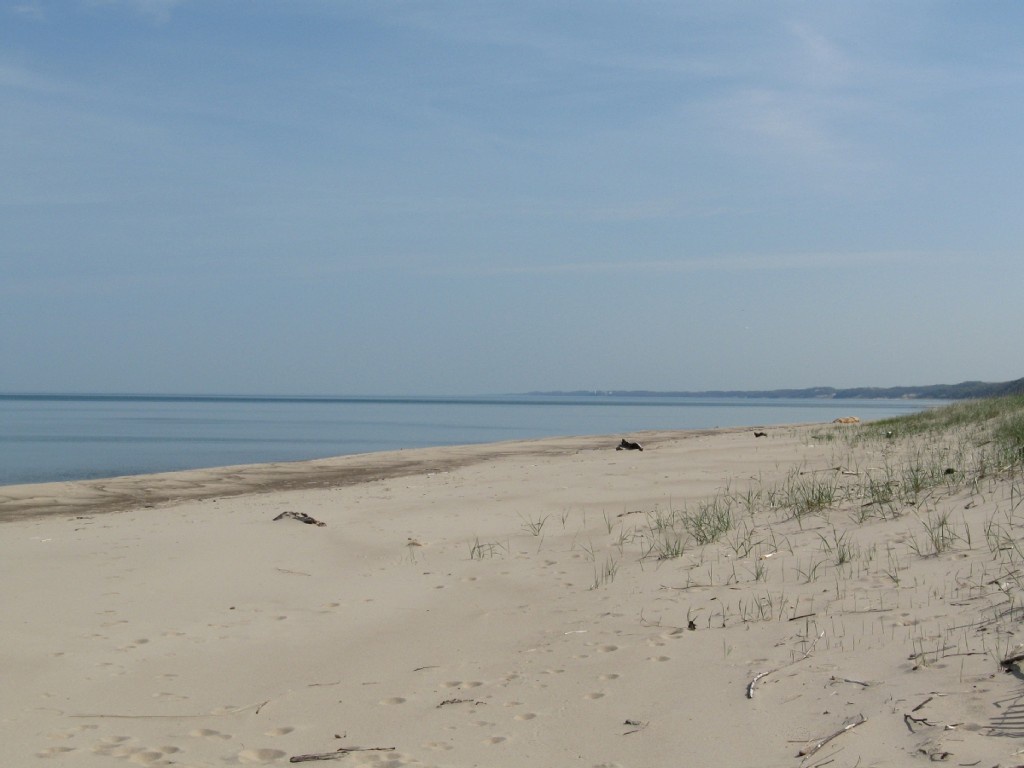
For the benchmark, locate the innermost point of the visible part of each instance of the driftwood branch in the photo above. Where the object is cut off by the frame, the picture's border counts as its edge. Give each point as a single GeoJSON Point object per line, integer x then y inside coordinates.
{"type": "Point", "coordinates": [1012, 659]}
{"type": "Point", "coordinates": [302, 517]}
{"type": "Point", "coordinates": [336, 754]}
{"type": "Point", "coordinates": [819, 744]}
{"type": "Point", "coordinates": [909, 719]}
{"type": "Point", "coordinates": [759, 675]}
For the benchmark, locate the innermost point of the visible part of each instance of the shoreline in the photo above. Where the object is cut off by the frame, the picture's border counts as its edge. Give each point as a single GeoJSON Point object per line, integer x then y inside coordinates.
{"type": "Point", "coordinates": [121, 493]}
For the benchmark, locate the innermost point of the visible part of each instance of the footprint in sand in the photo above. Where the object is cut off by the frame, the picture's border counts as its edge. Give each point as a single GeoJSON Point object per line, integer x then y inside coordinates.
{"type": "Point", "coordinates": [440, 746]}
{"type": "Point", "coordinates": [282, 731]}
{"type": "Point", "coordinates": [260, 756]}
{"type": "Point", "coordinates": [146, 756]}
{"type": "Point", "coordinates": [525, 716]}
{"type": "Point", "coordinates": [166, 695]}
{"type": "Point", "coordinates": [496, 740]}
{"type": "Point", "coordinates": [594, 696]}
{"type": "Point", "coordinates": [393, 700]}
{"type": "Point", "coordinates": [54, 751]}
{"type": "Point", "coordinates": [609, 676]}
{"type": "Point", "coordinates": [660, 658]}
{"type": "Point", "coordinates": [209, 733]}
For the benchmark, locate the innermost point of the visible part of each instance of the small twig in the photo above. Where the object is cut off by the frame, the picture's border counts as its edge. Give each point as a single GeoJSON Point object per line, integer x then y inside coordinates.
{"type": "Point", "coordinates": [922, 704]}
{"type": "Point", "coordinates": [457, 701]}
{"type": "Point", "coordinates": [688, 586]}
{"type": "Point", "coordinates": [637, 726]}
{"type": "Point", "coordinates": [758, 676]}
{"type": "Point", "coordinates": [652, 625]}
{"type": "Point", "coordinates": [848, 680]}
{"type": "Point", "coordinates": [258, 706]}
{"type": "Point", "coordinates": [801, 616]}
{"type": "Point", "coordinates": [337, 754]}
{"type": "Point", "coordinates": [818, 745]}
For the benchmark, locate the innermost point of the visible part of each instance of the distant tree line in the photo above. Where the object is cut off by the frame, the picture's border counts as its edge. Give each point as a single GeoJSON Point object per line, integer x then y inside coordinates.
{"type": "Point", "coordinates": [967, 390]}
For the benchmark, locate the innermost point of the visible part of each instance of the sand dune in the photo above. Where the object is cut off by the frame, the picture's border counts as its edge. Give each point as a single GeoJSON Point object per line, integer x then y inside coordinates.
{"type": "Point", "coordinates": [539, 603]}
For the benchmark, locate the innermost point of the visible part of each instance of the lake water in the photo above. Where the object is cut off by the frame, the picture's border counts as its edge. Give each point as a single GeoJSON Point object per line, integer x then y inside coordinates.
{"type": "Point", "coordinates": [48, 437]}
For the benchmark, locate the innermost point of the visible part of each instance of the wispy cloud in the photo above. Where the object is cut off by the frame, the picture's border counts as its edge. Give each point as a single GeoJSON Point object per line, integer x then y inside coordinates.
{"type": "Point", "coordinates": [726, 263]}
{"type": "Point", "coordinates": [31, 10]}
{"type": "Point", "coordinates": [22, 79]}
{"type": "Point", "coordinates": [155, 10]}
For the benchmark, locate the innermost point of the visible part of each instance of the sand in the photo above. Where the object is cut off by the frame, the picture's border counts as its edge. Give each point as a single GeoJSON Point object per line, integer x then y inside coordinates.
{"type": "Point", "coordinates": [506, 605]}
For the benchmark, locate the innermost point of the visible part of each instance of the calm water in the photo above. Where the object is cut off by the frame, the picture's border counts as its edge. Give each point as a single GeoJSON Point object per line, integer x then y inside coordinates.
{"type": "Point", "coordinates": [45, 438]}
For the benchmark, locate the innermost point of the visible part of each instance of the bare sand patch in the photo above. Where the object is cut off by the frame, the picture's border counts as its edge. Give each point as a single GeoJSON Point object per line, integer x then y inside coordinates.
{"type": "Point", "coordinates": [543, 603]}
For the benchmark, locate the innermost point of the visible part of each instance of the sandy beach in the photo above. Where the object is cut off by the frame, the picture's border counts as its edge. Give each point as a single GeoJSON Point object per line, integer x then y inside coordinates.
{"type": "Point", "coordinates": [540, 603]}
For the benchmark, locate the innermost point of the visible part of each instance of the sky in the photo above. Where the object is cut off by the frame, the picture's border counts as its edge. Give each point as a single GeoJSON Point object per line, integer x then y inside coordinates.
{"type": "Point", "coordinates": [453, 198]}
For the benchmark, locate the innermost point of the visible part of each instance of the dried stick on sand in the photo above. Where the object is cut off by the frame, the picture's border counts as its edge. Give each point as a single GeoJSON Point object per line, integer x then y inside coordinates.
{"type": "Point", "coordinates": [759, 675]}
{"type": "Point", "coordinates": [819, 744]}
{"type": "Point", "coordinates": [336, 754]}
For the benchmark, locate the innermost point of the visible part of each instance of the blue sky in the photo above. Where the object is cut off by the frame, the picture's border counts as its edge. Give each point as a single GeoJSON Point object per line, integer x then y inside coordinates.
{"type": "Point", "coordinates": [319, 197]}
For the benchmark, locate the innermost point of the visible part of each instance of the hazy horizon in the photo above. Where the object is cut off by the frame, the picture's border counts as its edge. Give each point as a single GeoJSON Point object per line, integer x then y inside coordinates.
{"type": "Point", "coordinates": [459, 197]}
